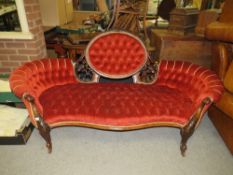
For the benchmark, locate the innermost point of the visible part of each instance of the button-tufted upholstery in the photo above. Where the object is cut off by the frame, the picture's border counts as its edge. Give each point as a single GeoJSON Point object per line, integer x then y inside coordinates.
{"type": "Point", "coordinates": [37, 76]}
{"type": "Point", "coordinates": [116, 54]}
{"type": "Point", "coordinates": [115, 104]}
{"type": "Point", "coordinates": [174, 99]}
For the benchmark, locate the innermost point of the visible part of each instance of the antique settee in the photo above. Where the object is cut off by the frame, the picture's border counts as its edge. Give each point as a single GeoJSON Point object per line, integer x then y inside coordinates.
{"type": "Point", "coordinates": [221, 33]}
{"type": "Point", "coordinates": [65, 92]}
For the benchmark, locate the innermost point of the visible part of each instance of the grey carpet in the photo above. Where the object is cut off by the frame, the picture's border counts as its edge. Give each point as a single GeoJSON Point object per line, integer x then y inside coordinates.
{"type": "Point", "coordinates": [83, 151]}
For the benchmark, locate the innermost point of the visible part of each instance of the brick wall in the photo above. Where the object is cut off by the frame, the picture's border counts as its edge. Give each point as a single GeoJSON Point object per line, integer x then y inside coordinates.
{"type": "Point", "coordinates": [16, 52]}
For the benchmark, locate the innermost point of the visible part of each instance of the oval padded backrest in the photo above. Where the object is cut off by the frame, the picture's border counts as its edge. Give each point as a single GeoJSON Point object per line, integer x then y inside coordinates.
{"type": "Point", "coordinates": [116, 54]}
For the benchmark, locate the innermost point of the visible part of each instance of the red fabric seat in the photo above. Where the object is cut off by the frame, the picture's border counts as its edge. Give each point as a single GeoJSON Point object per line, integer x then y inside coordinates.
{"type": "Point", "coordinates": [176, 94]}
{"type": "Point", "coordinates": [115, 104]}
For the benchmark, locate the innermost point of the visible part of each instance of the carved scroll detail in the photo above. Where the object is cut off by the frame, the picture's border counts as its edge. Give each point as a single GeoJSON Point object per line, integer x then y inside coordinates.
{"type": "Point", "coordinates": [149, 72]}
{"type": "Point", "coordinates": [82, 70]}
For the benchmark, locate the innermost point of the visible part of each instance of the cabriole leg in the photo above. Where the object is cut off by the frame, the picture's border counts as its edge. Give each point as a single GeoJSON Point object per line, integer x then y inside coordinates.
{"type": "Point", "coordinates": [43, 127]}
{"type": "Point", "coordinates": [44, 131]}
{"type": "Point", "coordinates": [186, 133]}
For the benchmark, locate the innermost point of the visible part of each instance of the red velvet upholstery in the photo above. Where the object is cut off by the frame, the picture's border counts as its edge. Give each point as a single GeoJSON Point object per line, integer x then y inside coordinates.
{"type": "Point", "coordinates": [37, 76]}
{"type": "Point", "coordinates": [173, 98]}
{"type": "Point", "coordinates": [115, 104]}
{"type": "Point", "coordinates": [34, 77]}
{"type": "Point", "coordinates": [116, 54]}
{"type": "Point", "coordinates": [192, 80]}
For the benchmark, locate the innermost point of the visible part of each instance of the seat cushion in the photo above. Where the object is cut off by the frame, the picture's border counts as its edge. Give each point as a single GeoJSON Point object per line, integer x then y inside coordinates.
{"type": "Point", "coordinates": [115, 104]}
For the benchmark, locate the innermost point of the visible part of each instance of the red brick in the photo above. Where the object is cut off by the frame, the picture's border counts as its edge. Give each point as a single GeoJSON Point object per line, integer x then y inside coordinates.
{"type": "Point", "coordinates": [31, 24]}
{"type": "Point", "coordinates": [42, 47]}
{"type": "Point", "coordinates": [5, 70]}
{"type": "Point", "coordinates": [41, 33]}
{"type": "Point", "coordinates": [35, 30]}
{"type": "Point", "coordinates": [43, 54]}
{"type": "Point", "coordinates": [34, 49]}
{"type": "Point", "coordinates": [36, 8]}
{"type": "Point", "coordinates": [2, 45]}
{"type": "Point", "coordinates": [10, 63]}
{"type": "Point", "coordinates": [28, 51]}
{"type": "Point", "coordinates": [18, 57]}
{"type": "Point", "coordinates": [4, 57]}
{"type": "Point", "coordinates": [34, 44]}
{"type": "Point", "coordinates": [36, 37]}
{"type": "Point", "coordinates": [28, 8]}
{"type": "Point", "coordinates": [35, 57]}
{"type": "Point", "coordinates": [31, 45]}
{"type": "Point", "coordinates": [33, 16]}
{"type": "Point", "coordinates": [23, 62]}
{"type": "Point", "coordinates": [38, 22]}
{"type": "Point", "coordinates": [27, 2]}
{"type": "Point", "coordinates": [15, 45]}
{"type": "Point", "coordinates": [7, 51]}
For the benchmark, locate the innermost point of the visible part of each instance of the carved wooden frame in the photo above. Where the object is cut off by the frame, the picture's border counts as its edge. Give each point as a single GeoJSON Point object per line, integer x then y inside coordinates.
{"type": "Point", "coordinates": [84, 67]}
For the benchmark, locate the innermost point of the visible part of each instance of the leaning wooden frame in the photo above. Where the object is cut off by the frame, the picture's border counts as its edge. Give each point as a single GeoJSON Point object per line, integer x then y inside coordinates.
{"type": "Point", "coordinates": [128, 15]}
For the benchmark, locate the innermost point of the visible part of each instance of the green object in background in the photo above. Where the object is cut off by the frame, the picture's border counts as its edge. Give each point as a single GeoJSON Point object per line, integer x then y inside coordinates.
{"type": "Point", "coordinates": [8, 97]}
{"type": "Point", "coordinates": [4, 76]}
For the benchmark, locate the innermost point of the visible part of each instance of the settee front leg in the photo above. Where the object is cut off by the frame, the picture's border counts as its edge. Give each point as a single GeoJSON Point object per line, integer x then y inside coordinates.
{"type": "Point", "coordinates": [42, 126]}
{"type": "Point", "coordinates": [44, 131]}
{"type": "Point", "coordinates": [187, 131]}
